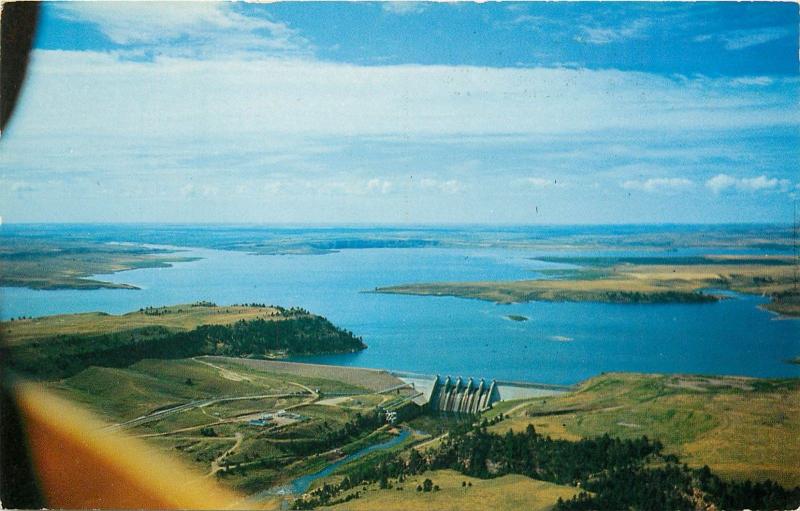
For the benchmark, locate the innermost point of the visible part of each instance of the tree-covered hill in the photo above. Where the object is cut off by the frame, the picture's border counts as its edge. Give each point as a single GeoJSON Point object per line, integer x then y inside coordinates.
{"type": "Point", "coordinates": [296, 332]}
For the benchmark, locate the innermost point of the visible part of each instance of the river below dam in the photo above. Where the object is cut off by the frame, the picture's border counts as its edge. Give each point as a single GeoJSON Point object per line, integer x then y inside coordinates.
{"type": "Point", "coordinates": [303, 483]}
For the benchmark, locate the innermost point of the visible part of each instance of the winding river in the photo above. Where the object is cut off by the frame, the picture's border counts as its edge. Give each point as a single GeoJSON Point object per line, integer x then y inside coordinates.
{"type": "Point", "coordinates": [303, 483]}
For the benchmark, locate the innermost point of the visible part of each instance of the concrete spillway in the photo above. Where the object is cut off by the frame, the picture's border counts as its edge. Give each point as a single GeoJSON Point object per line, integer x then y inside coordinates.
{"type": "Point", "coordinates": [459, 396]}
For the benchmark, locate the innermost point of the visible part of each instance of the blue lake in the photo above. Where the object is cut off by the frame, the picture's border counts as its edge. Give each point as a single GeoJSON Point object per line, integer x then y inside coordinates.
{"type": "Point", "coordinates": [561, 343]}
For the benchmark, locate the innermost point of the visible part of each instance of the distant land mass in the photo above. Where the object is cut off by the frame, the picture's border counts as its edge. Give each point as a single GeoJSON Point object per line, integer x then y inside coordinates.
{"type": "Point", "coordinates": [60, 256]}
{"type": "Point", "coordinates": [636, 280]}
{"type": "Point", "coordinates": [67, 264]}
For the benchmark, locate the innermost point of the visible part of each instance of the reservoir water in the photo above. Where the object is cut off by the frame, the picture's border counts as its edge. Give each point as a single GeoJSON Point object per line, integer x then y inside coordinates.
{"type": "Point", "coordinates": [560, 343]}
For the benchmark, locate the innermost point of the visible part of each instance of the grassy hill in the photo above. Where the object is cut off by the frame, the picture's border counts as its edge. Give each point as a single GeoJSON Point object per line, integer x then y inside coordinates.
{"type": "Point", "coordinates": [743, 428]}
{"type": "Point", "coordinates": [174, 317]}
{"type": "Point", "coordinates": [507, 492]}
{"type": "Point", "coordinates": [61, 346]}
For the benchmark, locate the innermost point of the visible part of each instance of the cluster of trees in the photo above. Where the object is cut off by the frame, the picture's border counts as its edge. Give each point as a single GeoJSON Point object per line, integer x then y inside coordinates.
{"type": "Point", "coordinates": [633, 296]}
{"type": "Point", "coordinates": [159, 311]}
{"type": "Point", "coordinates": [327, 493]}
{"type": "Point", "coordinates": [325, 496]}
{"type": "Point", "coordinates": [204, 303]}
{"type": "Point", "coordinates": [242, 467]}
{"type": "Point", "coordinates": [292, 311]}
{"type": "Point", "coordinates": [427, 486]}
{"type": "Point", "coordinates": [64, 355]}
{"type": "Point", "coordinates": [676, 486]}
{"type": "Point", "coordinates": [358, 427]}
{"type": "Point", "coordinates": [352, 430]}
{"type": "Point", "coordinates": [299, 335]}
{"type": "Point", "coordinates": [208, 431]}
{"type": "Point", "coordinates": [478, 453]}
{"type": "Point", "coordinates": [612, 473]}
{"type": "Point", "coordinates": [379, 468]}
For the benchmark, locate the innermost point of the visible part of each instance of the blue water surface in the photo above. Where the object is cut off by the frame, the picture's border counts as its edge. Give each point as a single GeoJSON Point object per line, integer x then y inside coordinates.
{"type": "Point", "coordinates": [561, 343]}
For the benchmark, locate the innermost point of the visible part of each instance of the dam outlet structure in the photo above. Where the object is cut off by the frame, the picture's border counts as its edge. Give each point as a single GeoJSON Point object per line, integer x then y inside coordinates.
{"type": "Point", "coordinates": [461, 396]}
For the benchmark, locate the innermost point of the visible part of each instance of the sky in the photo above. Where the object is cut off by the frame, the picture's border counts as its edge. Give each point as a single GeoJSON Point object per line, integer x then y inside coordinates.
{"type": "Point", "coordinates": [405, 112]}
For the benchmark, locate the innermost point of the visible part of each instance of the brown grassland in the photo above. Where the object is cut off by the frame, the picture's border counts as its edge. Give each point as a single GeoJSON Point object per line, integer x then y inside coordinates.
{"type": "Point", "coordinates": [178, 317]}
{"type": "Point", "coordinates": [507, 492]}
{"type": "Point", "coordinates": [740, 427]}
{"type": "Point", "coordinates": [635, 283]}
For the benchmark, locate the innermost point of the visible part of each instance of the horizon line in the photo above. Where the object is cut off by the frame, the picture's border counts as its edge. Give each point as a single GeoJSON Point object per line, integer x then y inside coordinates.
{"type": "Point", "coordinates": [393, 224]}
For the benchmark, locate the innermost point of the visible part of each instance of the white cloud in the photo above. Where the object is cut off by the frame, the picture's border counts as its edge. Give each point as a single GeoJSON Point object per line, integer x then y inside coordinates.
{"type": "Point", "coordinates": [541, 183]}
{"type": "Point", "coordinates": [403, 7]}
{"type": "Point", "coordinates": [191, 191]}
{"type": "Point", "coordinates": [449, 186]}
{"type": "Point", "coordinates": [469, 166]}
{"type": "Point", "coordinates": [659, 184]}
{"type": "Point", "coordinates": [379, 185]}
{"type": "Point", "coordinates": [516, 7]}
{"type": "Point", "coordinates": [636, 29]}
{"type": "Point", "coordinates": [724, 182]}
{"type": "Point", "coordinates": [273, 187]}
{"type": "Point", "coordinates": [16, 186]}
{"type": "Point", "coordinates": [740, 39]}
{"type": "Point", "coordinates": [342, 185]}
{"type": "Point", "coordinates": [526, 20]}
{"type": "Point", "coordinates": [212, 27]}
{"type": "Point", "coordinates": [753, 80]}
{"type": "Point", "coordinates": [80, 92]}
{"type": "Point", "coordinates": [351, 135]}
